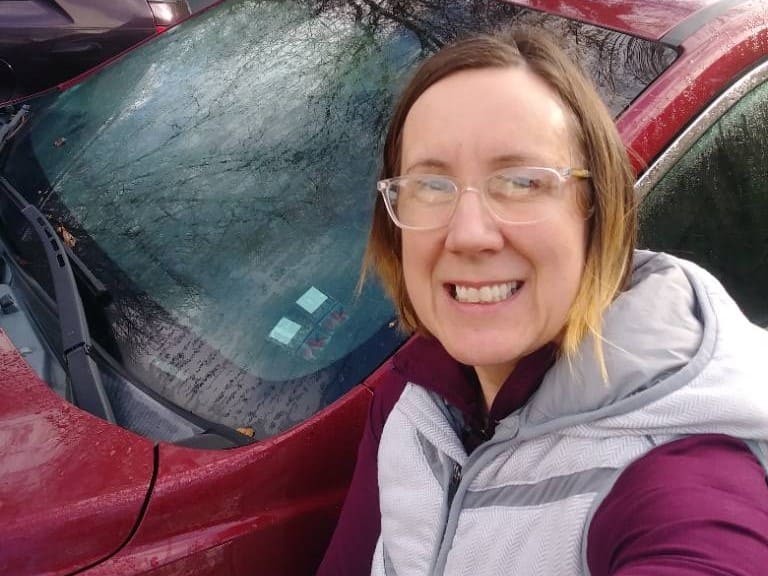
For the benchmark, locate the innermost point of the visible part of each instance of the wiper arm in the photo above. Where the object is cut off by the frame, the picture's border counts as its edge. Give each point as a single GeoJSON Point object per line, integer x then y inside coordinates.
{"type": "Point", "coordinates": [8, 130]}
{"type": "Point", "coordinates": [87, 390]}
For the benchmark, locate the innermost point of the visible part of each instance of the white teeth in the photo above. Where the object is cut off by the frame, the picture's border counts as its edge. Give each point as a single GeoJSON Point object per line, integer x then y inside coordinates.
{"type": "Point", "coordinates": [471, 294]}
{"type": "Point", "coordinates": [486, 294]}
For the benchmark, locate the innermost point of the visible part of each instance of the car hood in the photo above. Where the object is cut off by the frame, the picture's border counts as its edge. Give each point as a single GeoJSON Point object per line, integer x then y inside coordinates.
{"type": "Point", "coordinates": [72, 487]}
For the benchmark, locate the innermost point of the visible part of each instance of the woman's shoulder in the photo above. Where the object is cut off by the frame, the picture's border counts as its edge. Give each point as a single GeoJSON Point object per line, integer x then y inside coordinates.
{"type": "Point", "coordinates": [388, 390]}
{"type": "Point", "coordinates": [701, 499]}
{"type": "Point", "coordinates": [423, 362]}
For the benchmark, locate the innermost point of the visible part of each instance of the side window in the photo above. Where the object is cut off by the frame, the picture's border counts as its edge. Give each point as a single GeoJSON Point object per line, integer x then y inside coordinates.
{"type": "Point", "coordinates": [712, 206]}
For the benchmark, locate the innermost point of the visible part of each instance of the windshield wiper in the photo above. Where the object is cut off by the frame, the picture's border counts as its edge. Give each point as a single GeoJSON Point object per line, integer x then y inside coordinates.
{"type": "Point", "coordinates": [86, 278]}
{"type": "Point", "coordinates": [9, 129]}
{"type": "Point", "coordinates": [87, 390]}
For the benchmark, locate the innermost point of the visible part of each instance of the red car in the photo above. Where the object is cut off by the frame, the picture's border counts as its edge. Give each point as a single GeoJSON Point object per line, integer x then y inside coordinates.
{"type": "Point", "coordinates": [184, 392]}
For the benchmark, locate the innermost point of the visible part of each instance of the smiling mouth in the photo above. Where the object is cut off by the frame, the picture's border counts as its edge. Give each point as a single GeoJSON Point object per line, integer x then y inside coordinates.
{"type": "Point", "coordinates": [488, 294]}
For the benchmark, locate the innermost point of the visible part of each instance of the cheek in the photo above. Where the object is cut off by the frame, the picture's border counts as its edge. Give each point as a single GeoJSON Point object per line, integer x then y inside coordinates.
{"type": "Point", "coordinates": [561, 251]}
{"type": "Point", "coordinates": [414, 266]}
{"type": "Point", "coordinates": [573, 257]}
{"type": "Point", "coordinates": [419, 255]}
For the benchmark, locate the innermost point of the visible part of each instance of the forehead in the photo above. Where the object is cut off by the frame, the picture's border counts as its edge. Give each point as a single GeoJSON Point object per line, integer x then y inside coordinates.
{"type": "Point", "coordinates": [481, 115]}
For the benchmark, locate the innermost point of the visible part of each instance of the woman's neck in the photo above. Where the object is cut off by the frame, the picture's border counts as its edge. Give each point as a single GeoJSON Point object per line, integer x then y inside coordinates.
{"type": "Point", "coordinates": [491, 380]}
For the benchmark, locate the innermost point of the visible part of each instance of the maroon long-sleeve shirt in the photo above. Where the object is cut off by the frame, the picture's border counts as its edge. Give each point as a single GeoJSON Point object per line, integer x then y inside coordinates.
{"type": "Point", "coordinates": [696, 506]}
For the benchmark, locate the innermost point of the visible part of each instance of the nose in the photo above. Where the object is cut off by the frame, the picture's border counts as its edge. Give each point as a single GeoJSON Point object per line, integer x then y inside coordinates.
{"type": "Point", "coordinates": [472, 227]}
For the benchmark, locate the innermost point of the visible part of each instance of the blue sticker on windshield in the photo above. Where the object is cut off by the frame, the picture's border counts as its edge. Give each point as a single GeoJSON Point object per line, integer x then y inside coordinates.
{"type": "Point", "coordinates": [312, 299]}
{"type": "Point", "coordinates": [285, 331]}
{"type": "Point", "coordinates": [318, 315]}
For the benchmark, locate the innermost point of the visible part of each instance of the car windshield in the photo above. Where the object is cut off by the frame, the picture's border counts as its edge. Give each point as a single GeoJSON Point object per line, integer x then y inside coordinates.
{"type": "Point", "coordinates": [219, 180]}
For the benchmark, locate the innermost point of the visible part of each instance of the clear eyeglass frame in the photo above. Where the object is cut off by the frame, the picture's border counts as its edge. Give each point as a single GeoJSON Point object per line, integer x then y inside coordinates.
{"type": "Point", "coordinates": [385, 188]}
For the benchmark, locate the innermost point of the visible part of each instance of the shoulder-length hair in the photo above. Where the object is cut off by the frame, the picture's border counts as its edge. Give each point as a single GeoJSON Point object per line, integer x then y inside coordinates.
{"type": "Point", "coordinates": [609, 203]}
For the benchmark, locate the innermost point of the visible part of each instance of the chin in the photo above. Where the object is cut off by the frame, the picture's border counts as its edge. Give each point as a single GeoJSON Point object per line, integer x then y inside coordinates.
{"type": "Point", "coordinates": [484, 353]}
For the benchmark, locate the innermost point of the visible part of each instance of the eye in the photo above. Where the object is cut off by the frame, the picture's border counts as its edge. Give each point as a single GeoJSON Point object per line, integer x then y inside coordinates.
{"type": "Point", "coordinates": [428, 189]}
{"type": "Point", "coordinates": [520, 183]}
{"type": "Point", "coordinates": [524, 182]}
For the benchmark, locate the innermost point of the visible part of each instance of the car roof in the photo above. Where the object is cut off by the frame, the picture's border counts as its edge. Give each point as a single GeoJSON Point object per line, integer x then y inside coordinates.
{"type": "Point", "coordinates": [650, 19]}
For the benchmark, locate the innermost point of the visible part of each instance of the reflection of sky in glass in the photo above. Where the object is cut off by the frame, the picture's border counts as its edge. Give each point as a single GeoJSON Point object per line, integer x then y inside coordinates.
{"type": "Point", "coordinates": [227, 197]}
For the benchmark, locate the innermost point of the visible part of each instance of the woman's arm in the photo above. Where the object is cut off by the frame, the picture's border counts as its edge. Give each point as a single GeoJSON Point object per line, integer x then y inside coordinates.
{"type": "Point", "coordinates": [696, 506]}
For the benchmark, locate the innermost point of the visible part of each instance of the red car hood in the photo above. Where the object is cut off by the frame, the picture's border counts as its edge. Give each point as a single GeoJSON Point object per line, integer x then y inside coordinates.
{"type": "Point", "coordinates": [72, 487]}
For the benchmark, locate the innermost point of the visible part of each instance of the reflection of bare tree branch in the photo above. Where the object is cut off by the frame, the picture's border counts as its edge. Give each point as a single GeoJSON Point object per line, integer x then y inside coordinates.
{"type": "Point", "coordinates": [647, 60]}
{"type": "Point", "coordinates": [428, 40]}
{"type": "Point", "coordinates": [619, 63]}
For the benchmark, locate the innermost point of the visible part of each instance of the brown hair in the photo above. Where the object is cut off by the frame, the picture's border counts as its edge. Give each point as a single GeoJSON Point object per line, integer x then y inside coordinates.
{"type": "Point", "coordinates": [610, 203]}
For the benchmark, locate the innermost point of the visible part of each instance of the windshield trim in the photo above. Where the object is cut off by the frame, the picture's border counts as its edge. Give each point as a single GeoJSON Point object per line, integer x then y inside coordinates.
{"type": "Point", "coordinates": [703, 122]}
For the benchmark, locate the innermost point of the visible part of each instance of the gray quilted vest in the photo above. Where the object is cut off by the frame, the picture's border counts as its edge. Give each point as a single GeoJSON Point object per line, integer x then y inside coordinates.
{"type": "Point", "coordinates": [682, 359]}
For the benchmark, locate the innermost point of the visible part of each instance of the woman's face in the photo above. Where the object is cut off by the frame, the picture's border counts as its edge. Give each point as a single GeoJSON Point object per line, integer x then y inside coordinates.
{"type": "Point", "coordinates": [469, 125]}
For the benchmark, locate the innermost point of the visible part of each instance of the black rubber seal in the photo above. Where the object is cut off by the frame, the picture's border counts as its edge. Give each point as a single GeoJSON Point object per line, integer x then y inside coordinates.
{"type": "Point", "coordinates": [696, 21]}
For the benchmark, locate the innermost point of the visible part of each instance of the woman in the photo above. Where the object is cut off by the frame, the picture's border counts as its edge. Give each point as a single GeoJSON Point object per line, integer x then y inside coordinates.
{"type": "Point", "coordinates": [569, 406]}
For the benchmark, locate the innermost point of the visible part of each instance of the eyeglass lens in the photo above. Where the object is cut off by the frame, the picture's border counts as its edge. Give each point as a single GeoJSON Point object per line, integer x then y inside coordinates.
{"type": "Point", "coordinates": [517, 195]}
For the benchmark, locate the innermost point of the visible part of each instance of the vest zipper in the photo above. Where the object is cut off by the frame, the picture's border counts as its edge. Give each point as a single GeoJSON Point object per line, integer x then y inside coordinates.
{"type": "Point", "coordinates": [454, 484]}
{"type": "Point", "coordinates": [479, 454]}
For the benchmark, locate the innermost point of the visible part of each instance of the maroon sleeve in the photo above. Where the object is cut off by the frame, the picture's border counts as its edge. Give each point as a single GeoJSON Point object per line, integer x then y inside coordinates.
{"type": "Point", "coordinates": [696, 506]}
{"type": "Point", "coordinates": [350, 552]}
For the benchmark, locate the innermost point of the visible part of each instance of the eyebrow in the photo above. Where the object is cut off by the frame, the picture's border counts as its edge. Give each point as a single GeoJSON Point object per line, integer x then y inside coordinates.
{"type": "Point", "coordinates": [500, 161]}
{"type": "Point", "coordinates": [517, 160]}
{"type": "Point", "coordinates": [427, 163]}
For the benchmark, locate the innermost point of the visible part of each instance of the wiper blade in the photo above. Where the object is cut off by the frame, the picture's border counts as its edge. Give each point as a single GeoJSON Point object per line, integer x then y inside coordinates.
{"type": "Point", "coordinates": [8, 130]}
{"type": "Point", "coordinates": [87, 390]}
{"type": "Point", "coordinates": [93, 284]}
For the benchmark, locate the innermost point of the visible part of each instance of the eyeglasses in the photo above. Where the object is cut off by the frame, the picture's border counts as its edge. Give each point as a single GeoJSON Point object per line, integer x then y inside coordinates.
{"type": "Point", "coordinates": [517, 195]}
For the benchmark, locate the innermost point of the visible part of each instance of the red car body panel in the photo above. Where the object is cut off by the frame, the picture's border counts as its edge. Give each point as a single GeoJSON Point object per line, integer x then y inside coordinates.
{"type": "Point", "coordinates": [269, 508]}
{"type": "Point", "coordinates": [72, 486]}
{"type": "Point", "coordinates": [702, 71]}
{"type": "Point", "coordinates": [250, 510]}
{"type": "Point", "coordinates": [273, 504]}
{"type": "Point", "coordinates": [650, 19]}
